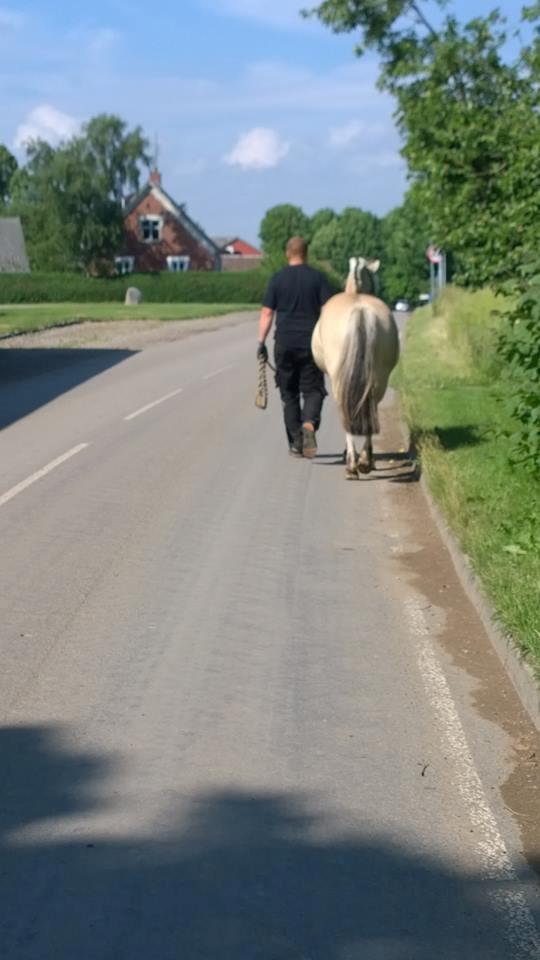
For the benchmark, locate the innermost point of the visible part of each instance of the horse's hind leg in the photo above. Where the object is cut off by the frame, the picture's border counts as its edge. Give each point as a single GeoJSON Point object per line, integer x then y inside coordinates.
{"type": "Point", "coordinates": [365, 460]}
{"type": "Point", "coordinates": [351, 458]}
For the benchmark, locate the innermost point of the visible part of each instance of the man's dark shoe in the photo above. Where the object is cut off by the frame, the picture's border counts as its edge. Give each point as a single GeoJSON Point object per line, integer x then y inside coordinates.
{"type": "Point", "coordinates": [295, 450]}
{"type": "Point", "coordinates": [309, 441]}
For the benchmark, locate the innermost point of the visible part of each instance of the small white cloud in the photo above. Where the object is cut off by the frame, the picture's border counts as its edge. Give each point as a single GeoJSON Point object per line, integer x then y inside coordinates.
{"type": "Point", "coordinates": [258, 149]}
{"type": "Point", "coordinates": [11, 19]}
{"type": "Point", "coordinates": [46, 123]}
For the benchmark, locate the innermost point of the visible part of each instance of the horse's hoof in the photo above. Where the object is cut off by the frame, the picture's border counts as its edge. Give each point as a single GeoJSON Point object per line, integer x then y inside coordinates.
{"type": "Point", "coordinates": [351, 474]}
{"type": "Point", "coordinates": [365, 468]}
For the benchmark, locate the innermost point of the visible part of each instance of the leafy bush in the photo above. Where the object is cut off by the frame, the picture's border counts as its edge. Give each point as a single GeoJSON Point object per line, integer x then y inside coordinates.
{"type": "Point", "coordinates": [190, 287]}
{"type": "Point", "coordinates": [520, 349]}
{"type": "Point", "coordinates": [474, 321]}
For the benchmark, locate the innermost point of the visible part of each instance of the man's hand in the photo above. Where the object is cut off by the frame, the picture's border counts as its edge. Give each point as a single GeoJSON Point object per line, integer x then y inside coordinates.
{"type": "Point", "coordinates": [262, 352]}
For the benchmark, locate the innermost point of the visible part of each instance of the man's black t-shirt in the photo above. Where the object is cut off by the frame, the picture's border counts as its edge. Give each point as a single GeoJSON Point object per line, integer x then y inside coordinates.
{"type": "Point", "coordinates": [297, 295]}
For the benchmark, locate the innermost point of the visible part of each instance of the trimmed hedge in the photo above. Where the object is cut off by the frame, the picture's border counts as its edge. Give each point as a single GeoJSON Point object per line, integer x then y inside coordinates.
{"type": "Point", "coordinates": [190, 287]}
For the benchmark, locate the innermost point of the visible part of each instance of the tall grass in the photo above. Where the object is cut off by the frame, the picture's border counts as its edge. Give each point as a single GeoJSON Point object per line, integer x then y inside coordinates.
{"type": "Point", "coordinates": [452, 389]}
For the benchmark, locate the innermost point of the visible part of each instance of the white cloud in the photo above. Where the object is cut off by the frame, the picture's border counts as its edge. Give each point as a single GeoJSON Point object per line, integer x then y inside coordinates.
{"type": "Point", "coordinates": [46, 123]}
{"type": "Point", "coordinates": [11, 19]}
{"type": "Point", "coordinates": [258, 149]}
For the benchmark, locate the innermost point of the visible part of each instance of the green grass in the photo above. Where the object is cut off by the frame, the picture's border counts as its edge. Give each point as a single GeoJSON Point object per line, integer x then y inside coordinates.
{"type": "Point", "coordinates": [28, 318]}
{"type": "Point", "coordinates": [450, 383]}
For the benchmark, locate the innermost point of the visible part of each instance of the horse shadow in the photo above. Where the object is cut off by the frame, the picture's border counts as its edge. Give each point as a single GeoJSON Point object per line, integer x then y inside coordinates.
{"type": "Point", "coordinates": [401, 466]}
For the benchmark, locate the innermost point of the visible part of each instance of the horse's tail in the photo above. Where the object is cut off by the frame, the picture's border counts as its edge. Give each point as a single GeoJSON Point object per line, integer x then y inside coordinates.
{"type": "Point", "coordinates": [353, 382]}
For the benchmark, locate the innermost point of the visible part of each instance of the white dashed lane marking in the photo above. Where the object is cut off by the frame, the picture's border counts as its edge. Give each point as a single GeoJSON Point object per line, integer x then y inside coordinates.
{"type": "Point", "coordinates": [39, 474]}
{"type": "Point", "coordinates": [154, 403]}
{"type": "Point", "coordinates": [216, 373]}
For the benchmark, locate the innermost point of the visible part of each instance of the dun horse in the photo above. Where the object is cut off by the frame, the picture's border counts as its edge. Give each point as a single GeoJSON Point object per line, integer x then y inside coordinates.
{"type": "Point", "coordinates": [356, 343]}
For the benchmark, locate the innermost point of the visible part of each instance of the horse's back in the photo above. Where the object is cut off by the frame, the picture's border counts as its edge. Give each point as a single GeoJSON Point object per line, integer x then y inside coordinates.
{"type": "Point", "coordinates": [331, 331]}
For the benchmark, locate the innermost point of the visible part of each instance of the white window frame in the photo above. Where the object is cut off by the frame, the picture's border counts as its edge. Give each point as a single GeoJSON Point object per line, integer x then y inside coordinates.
{"type": "Point", "coordinates": [124, 265]}
{"type": "Point", "coordinates": [178, 264]}
{"type": "Point", "coordinates": [157, 227]}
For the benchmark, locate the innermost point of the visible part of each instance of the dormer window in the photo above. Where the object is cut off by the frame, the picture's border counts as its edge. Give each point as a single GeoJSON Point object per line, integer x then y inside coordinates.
{"type": "Point", "coordinates": [151, 227]}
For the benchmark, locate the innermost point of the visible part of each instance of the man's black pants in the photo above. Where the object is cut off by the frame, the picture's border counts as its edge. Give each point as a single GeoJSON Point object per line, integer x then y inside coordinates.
{"type": "Point", "coordinates": [301, 385]}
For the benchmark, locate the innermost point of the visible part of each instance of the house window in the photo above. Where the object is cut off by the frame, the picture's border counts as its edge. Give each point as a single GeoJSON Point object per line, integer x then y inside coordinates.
{"type": "Point", "coordinates": [178, 264]}
{"type": "Point", "coordinates": [124, 265]}
{"type": "Point", "coordinates": [151, 228]}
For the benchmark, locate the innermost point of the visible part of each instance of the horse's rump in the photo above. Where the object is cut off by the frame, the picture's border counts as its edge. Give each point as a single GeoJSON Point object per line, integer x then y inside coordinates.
{"type": "Point", "coordinates": [354, 382]}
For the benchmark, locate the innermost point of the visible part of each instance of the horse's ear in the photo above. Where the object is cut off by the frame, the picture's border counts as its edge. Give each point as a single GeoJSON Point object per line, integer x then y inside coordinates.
{"type": "Point", "coordinates": [352, 264]}
{"type": "Point", "coordinates": [374, 265]}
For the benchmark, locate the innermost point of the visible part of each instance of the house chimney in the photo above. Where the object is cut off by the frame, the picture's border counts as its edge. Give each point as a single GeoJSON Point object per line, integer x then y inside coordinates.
{"type": "Point", "coordinates": [155, 176]}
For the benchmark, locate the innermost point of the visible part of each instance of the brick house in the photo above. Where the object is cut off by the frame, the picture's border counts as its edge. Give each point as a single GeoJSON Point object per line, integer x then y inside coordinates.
{"type": "Point", "coordinates": [159, 235]}
{"type": "Point", "coordinates": [237, 254]}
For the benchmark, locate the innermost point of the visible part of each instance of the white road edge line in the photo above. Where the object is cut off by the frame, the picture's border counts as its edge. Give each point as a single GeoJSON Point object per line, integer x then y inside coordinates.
{"type": "Point", "coordinates": [521, 930]}
{"type": "Point", "coordinates": [24, 484]}
{"type": "Point", "coordinates": [155, 403]}
{"type": "Point", "coordinates": [216, 373]}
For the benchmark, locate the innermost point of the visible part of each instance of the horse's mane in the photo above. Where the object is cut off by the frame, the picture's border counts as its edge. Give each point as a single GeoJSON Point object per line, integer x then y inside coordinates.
{"type": "Point", "coordinates": [361, 279]}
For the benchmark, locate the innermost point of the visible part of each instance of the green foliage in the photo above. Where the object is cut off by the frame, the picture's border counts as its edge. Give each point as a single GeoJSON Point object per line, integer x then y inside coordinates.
{"type": "Point", "coordinates": [406, 235]}
{"type": "Point", "coordinates": [191, 287]}
{"type": "Point", "coordinates": [520, 349]}
{"type": "Point", "coordinates": [8, 166]}
{"type": "Point", "coordinates": [279, 224]}
{"type": "Point", "coordinates": [453, 411]}
{"type": "Point", "coordinates": [320, 219]}
{"type": "Point", "coordinates": [324, 243]}
{"type": "Point", "coordinates": [69, 197]}
{"type": "Point", "coordinates": [353, 233]}
{"type": "Point", "coordinates": [470, 123]}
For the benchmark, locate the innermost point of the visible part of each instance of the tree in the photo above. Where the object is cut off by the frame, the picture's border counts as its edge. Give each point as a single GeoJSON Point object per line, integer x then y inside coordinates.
{"type": "Point", "coordinates": [325, 242]}
{"type": "Point", "coordinates": [406, 234]}
{"type": "Point", "coordinates": [470, 124]}
{"type": "Point", "coordinates": [354, 233]}
{"type": "Point", "coordinates": [321, 219]}
{"type": "Point", "coordinates": [279, 224]}
{"type": "Point", "coordinates": [69, 198]}
{"type": "Point", "coordinates": [116, 153]}
{"type": "Point", "coordinates": [8, 167]}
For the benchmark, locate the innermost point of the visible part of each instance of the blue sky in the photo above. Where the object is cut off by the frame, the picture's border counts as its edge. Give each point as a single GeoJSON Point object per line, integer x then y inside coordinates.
{"type": "Point", "coordinates": [252, 105]}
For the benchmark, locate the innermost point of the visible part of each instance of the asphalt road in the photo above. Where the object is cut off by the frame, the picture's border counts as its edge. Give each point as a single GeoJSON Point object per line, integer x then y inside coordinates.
{"type": "Point", "coordinates": [230, 729]}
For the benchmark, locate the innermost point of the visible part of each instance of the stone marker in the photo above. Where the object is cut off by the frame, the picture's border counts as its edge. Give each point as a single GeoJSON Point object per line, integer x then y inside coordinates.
{"type": "Point", "coordinates": [133, 297]}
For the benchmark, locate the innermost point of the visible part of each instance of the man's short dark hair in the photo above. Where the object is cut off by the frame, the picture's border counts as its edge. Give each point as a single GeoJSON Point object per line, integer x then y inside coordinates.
{"type": "Point", "coordinates": [297, 247]}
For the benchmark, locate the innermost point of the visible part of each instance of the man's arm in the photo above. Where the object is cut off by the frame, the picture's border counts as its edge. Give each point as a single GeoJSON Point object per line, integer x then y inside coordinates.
{"type": "Point", "coordinates": [265, 323]}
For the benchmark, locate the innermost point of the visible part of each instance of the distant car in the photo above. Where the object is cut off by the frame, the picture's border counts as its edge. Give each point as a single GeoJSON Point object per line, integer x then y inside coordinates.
{"type": "Point", "coordinates": [424, 299]}
{"type": "Point", "coordinates": [402, 306]}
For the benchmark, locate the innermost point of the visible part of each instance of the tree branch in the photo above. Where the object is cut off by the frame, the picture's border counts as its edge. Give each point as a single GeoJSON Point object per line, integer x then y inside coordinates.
{"type": "Point", "coordinates": [414, 6]}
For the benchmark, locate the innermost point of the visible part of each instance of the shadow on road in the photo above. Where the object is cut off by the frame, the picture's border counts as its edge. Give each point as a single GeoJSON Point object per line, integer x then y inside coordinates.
{"type": "Point", "coordinates": [393, 466]}
{"type": "Point", "coordinates": [30, 378]}
{"type": "Point", "coordinates": [228, 875]}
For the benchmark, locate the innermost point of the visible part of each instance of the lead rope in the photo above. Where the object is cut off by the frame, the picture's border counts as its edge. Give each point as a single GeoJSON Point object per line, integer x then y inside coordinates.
{"type": "Point", "coordinates": [261, 397]}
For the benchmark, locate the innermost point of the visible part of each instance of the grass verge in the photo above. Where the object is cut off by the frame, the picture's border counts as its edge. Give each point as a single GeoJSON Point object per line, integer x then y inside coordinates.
{"type": "Point", "coordinates": [29, 318]}
{"type": "Point", "coordinates": [450, 384]}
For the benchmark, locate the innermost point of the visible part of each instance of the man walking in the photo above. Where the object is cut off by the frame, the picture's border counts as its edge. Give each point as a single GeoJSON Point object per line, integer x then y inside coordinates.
{"type": "Point", "coordinates": [295, 296]}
